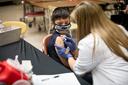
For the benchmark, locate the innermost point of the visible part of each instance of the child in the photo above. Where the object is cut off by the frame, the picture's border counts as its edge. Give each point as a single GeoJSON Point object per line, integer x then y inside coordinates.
{"type": "Point", "coordinates": [61, 22]}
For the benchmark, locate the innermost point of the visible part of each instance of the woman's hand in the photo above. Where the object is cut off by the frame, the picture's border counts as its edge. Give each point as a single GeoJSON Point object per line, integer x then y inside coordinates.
{"type": "Point", "coordinates": [63, 52]}
{"type": "Point", "coordinates": [70, 43]}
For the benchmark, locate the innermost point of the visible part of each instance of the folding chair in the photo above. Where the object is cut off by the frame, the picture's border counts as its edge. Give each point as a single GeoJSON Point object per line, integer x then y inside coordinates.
{"type": "Point", "coordinates": [45, 43]}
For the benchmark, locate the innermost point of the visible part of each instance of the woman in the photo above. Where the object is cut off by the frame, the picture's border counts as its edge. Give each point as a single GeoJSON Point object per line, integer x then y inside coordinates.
{"type": "Point", "coordinates": [61, 22]}
{"type": "Point", "coordinates": [102, 46]}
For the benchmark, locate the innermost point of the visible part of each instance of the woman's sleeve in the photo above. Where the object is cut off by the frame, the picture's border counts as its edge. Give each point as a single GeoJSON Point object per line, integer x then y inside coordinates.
{"type": "Point", "coordinates": [87, 60]}
{"type": "Point", "coordinates": [124, 30]}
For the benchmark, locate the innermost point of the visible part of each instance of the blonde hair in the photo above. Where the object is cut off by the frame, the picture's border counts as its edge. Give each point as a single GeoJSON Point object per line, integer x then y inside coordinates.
{"type": "Point", "coordinates": [90, 18]}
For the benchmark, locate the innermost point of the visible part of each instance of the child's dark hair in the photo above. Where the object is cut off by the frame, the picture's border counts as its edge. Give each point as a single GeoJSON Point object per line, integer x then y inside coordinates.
{"type": "Point", "coordinates": [60, 12]}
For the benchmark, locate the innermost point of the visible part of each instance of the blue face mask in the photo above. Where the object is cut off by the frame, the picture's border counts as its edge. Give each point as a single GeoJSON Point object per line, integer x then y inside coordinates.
{"type": "Point", "coordinates": [62, 27]}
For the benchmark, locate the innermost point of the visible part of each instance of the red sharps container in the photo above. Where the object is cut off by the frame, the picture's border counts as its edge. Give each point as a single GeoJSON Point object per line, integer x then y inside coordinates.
{"type": "Point", "coordinates": [9, 74]}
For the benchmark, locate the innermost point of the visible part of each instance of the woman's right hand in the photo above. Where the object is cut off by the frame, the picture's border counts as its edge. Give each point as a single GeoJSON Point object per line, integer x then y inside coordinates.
{"type": "Point", "coordinates": [62, 52]}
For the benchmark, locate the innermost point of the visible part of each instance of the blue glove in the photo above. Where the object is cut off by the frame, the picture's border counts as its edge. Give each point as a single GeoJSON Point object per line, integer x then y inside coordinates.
{"type": "Point", "coordinates": [61, 52]}
{"type": "Point", "coordinates": [70, 43]}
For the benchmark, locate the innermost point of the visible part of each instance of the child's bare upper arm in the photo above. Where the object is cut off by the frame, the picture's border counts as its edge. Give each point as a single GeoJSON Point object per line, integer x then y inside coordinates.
{"type": "Point", "coordinates": [59, 41]}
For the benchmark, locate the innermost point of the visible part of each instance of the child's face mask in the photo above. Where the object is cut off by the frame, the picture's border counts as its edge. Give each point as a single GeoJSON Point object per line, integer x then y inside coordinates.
{"type": "Point", "coordinates": [62, 27]}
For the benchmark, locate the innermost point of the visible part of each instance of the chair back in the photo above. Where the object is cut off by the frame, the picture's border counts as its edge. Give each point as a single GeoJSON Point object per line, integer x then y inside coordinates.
{"type": "Point", "coordinates": [20, 24]}
{"type": "Point", "coordinates": [45, 43]}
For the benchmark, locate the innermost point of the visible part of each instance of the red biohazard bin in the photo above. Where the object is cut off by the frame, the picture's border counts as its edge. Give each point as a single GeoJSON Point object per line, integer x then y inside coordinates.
{"type": "Point", "coordinates": [9, 74]}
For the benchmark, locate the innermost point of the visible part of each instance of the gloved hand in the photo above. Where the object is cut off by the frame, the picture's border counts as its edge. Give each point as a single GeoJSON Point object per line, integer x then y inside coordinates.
{"type": "Point", "coordinates": [70, 43]}
{"type": "Point", "coordinates": [62, 52]}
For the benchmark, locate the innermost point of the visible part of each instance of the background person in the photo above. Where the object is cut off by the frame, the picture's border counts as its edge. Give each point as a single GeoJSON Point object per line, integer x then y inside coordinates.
{"type": "Point", "coordinates": [102, 46]}
{"type": "Point", "coordinates": [122, 13]}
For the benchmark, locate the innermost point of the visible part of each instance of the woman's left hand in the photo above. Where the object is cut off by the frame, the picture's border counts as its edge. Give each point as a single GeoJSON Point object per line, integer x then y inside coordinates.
{"type": "Point", "coordinates": [70, 43]}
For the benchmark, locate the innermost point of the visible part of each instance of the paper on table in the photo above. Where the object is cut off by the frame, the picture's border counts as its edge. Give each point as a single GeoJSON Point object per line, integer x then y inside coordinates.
{"type": "Point", "coordinates": [57, 79]}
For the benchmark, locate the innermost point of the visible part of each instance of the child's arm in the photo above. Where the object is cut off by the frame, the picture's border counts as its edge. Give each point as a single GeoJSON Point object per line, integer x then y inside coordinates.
{"type": "Point", "coordinates": [59, 42]}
